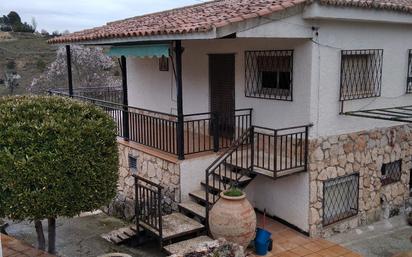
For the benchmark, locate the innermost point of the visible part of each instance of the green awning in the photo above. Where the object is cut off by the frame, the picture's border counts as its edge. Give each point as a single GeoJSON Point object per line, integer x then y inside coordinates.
{"type": "Point", "coordinates": [141, 51]}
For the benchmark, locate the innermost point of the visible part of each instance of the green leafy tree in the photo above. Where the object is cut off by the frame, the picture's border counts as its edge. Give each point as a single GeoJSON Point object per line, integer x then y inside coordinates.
{"type": "Point", "coordinates": [58, 157]}
{"type": "Point", "coordinates": [13, 18]}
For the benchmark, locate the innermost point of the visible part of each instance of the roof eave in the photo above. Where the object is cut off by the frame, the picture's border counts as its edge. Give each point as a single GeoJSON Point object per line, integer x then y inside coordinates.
{"type": "Point", "coordinates": [318, 11]}
{"type": "Point", "coordinates": [146, 39]}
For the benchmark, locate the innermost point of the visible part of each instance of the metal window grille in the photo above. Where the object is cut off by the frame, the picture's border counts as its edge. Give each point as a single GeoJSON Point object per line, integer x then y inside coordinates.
{"type": "Point", "coordinates": [340, 198]}
{"type": "Point", "coordinates": [133, 164]}
{"type": "Point", "coordinates": [391, 172]}
{"type": "Point", "coordinates": [409, 78]}
{"type": "Point", "coordinates": [361, 74]}
{"type": "Point", "coordinates": [269, 74]}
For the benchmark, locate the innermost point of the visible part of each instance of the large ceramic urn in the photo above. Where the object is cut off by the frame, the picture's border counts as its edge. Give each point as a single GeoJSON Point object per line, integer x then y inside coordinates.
{"type": "Point", "coordinates": [234, 219]}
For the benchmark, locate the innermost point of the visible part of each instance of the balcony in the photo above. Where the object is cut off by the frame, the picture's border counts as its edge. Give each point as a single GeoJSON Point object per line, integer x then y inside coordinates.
{"type": "Point", "coordinates": [202, 132]}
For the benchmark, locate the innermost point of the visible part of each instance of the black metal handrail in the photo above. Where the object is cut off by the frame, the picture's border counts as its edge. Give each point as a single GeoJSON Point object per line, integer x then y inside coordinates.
{"type": "Point", "coordinates": [283, 149]}
{"type": "Point", "coordinates": [148, 206]}
{"type": "Point", "coordinates": [110, 94]}
{"type": "Point", "coordinates": [202, 131]}
{"type": "Point", "coordinates": [239, 156]}
{"type": "Point", "coordinates": [210, 131]}
{"type": "Point", "coordinates": [272, 150]}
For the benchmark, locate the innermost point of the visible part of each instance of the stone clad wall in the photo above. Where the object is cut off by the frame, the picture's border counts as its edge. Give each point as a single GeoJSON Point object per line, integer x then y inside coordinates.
{"type": "Point", "coordinates": [151, 167]}
{"type": "Point", "coordinates": [363, 152]}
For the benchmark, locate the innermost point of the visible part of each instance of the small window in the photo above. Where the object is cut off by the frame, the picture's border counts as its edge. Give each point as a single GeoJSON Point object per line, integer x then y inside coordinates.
{"type": "Point", "coordinates": [163, 63]}
{"type": "Point", "coordinates": [391, 172]}
{"type": "Point", "coordinates": [361, 74]}
{"type": "Point", "coordinates": [133, 164]}
{"type": "Point", "coordinates": [269, 74]}
{"type": "Point", "coordinates": [409, 76]}
{"type": "Point", "coordinates": [340, 198]}
{"type": "Point", "coordinates": [410, 183]}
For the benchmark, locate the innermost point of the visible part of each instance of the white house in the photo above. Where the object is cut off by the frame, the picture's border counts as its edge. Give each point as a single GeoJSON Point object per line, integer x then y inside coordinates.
{"type": "Point", "coordinates": [310, 98]}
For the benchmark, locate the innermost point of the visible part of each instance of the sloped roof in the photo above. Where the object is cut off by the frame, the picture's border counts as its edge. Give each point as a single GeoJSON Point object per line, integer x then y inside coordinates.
{"type": "Point", "coordinates": [208, 16]}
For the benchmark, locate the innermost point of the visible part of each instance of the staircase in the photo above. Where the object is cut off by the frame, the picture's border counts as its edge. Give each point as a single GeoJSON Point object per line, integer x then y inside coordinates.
{"type": "Point", "coordinates": [268, 152]}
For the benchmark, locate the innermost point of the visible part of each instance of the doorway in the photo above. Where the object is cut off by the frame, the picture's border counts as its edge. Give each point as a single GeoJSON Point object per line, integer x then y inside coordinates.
{"type": "Point", "coordinates": [222, 92]}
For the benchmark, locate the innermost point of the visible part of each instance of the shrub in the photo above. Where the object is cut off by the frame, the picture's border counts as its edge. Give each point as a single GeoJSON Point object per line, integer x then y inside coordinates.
{"type": "Point", "coordinates": [233, 192]}
{"type": "Point", "coordinates": [58, 157]}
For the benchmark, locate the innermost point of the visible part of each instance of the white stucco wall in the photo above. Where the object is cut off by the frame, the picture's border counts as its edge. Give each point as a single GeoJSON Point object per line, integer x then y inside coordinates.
{"type": "Point", "coordinates": [286, 198]}
{"type": "Point", "coordinates": [192, 172]}
{"type": "Point", "coordinates": [152, 89]}
{"type": "Point", "coordinates": [334, 36]}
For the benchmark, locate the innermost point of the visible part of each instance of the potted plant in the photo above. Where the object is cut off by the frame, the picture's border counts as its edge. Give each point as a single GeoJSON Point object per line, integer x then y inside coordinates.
{"type": "Point", "coordinates": [233, 218]}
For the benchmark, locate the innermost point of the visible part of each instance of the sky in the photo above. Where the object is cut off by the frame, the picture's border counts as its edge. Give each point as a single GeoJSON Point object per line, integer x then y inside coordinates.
{"type": "Point", "coordinates": [75, 15]}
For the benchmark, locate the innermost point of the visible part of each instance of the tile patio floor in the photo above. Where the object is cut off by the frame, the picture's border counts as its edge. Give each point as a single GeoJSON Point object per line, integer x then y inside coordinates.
{"type": "Point", "coordinates": [290, 243]}
{"type": "Point", "coordinates": [15, 248]}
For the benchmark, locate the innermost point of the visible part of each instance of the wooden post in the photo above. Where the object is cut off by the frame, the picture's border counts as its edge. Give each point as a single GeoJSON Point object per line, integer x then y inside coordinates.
{"type": "Point", "coordinates": [125, 98]}
{"type": "Point", "coordinates": [180, 128]}
{"type": "Point", "coordinates": [69, 70]}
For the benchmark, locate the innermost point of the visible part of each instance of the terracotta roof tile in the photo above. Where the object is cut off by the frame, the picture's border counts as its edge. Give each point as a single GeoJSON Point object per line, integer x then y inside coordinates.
{"type": "Point", "coordinates": [207, 16]}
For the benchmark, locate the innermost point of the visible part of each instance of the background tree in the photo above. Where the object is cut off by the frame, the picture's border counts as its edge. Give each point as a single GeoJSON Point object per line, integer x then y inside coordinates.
{"type": "Point", "coordinates": [13, 18]}
{"type": "Point", "coordinates": [11, 81]}
{"type": "Point", "coordinates": [58, 157]}
{"type": "Point", "coordinates": [90, 67]}
{"type": "Point", "coordinates": [34, 23]}
{"type": "Point", "coordinates": [11, 78]}
{"type": "Point", "coordinates": [13, 22]}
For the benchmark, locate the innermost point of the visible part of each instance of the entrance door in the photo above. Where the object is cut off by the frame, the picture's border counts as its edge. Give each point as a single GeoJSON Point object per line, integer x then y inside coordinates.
{"type": "Point", "coordinates": [222, 91]}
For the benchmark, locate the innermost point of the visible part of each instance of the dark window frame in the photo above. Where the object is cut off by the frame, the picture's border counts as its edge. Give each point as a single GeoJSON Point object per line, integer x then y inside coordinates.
{"type": "Point", "coordinates": [260, 65]}
{"type": "Point", "coordinates": [360, 74]}
{"type": "Point", "coordinates": [409, 73]}
{"type": "Point", "coordinates": [391, 172]}
{"type": "Point", "coordinates": [132, 161]}
{"type": "Point", "coordinates": [351, 209]}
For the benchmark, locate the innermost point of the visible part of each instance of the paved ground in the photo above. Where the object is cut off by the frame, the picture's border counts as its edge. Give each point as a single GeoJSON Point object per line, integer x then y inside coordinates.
{"type": "Point", "coordinates": [12, 247]}
{"type": "Point", "coordinates": [80, 237]}
{"type": "Point", "coordinates": [381, 239]}
{"type": "Point", "coordinates": [289, 243]}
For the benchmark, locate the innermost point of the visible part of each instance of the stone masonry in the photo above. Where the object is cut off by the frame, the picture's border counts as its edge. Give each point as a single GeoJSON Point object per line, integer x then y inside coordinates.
{"type": "Point", "coordinates": [154, 168]}
{"type": "Point", "coordinates": [364, 153]}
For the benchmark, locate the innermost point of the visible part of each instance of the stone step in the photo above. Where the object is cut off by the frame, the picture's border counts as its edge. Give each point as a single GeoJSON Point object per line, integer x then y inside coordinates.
{"type": "Point", "coordinates": [200, 195]}
{"type": "Point", "coordinates": [279, 174]}
{"type": "Point", "coordinates": [175, 225]}
{"type": "Point", "coordinates": [193, 208]}
{"type": "Point", "coordinates": [119, 235]}
{"type": "Point", "coordinates": [216, 185]}
{"type": "Point", "coordinates": [185, 246]}
{"type": "Point", "coordinates": [231, 176]}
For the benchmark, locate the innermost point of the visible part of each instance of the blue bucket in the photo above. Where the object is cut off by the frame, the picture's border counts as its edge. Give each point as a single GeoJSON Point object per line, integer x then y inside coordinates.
{"type": "Point", "coordinates": [262, 236]}
{"type": "Point", "coordinates": [262, 241]}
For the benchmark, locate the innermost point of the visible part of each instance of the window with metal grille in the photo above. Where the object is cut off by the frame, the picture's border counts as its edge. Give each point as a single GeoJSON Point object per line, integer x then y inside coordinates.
{"type": "Point", "coordinates": [409, 78]}
{"type": "Point", "coordinates": [361, 74]}
{"type": "Point", "coordinates": [340, 198]}
{"type": "Point", "coordinates": [391, 172]}
{"type": "Point", "coordinates": [269, 74]}
{"type": "Point", "coordinates": [133, 164]}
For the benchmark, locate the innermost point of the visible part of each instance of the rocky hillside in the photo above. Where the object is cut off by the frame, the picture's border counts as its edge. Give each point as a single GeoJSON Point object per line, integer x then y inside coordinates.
{"type": "Point", "coordinates": [30, 55]}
